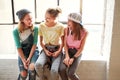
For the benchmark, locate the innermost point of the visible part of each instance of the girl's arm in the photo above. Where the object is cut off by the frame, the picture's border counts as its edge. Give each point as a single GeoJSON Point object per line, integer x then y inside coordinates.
{"type": "Point", "coordinates": [18, 45]}
{"type": "Point", "coordinates": [43, 47]}
{"type": "Point", "coordinates": [41, 43]}
{"type": "Point", "coordinates": [20, 53]}
{"type": "Point", "coordinates": [61, 44]}
{"type": "Point", "coordinates": [67, 58]}
{"type": "Point", "coordinates": [60, 47]}
{"type": "Point", "coordinates": [65, 43]}
{"type": "Point", "coordinates": [80, 50]}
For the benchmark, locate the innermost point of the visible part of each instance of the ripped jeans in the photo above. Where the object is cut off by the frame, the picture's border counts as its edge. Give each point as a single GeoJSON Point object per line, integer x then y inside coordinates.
{"type": "Point", "coordinates": [31, 73]}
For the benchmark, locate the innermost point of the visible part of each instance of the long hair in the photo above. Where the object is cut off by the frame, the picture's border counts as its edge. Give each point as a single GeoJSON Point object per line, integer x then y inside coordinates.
{"type": "Point", "coordinates": [77, 30]}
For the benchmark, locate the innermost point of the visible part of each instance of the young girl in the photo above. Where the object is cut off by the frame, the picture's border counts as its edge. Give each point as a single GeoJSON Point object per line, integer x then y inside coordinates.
{"type": "Point", "coordinates": [25, 37]}
{"type": "Point", "coordinates": [75, 36]}
{"type": "Point", "coordinates": [51, 34]}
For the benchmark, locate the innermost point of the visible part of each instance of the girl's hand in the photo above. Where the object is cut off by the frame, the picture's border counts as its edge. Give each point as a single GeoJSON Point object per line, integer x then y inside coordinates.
{"type": "Point", "coordinates": [66, 61]}
{"type": "Point", "coordinates": [55, 54]}
{"type": "Point", "coordinates": [28, 61]}
{"type": "Point", "coordinates": [71, 61]}
{"type": "Point", "coordinates": [25, 64]}
{"type": "Point", "coordinates": [48, 53]}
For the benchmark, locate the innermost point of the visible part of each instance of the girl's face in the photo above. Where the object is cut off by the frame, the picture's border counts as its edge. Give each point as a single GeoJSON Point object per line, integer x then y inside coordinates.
{"type": "Point", "coordinates": [27, 20]}
{"type": "Point", "coordinates": [49, 18]}
{"type": "Point", "coordinates": [70, 24]}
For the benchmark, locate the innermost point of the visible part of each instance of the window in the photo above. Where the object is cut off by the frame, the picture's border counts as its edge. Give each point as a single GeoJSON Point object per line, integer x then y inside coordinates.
{"type": "Point", "coordinates": [93, 19]}
{"type": "Point", "coordinates": [93, 16]}
{"type": "Point", "coordinates": [41, 6]}
{"type": "Point", "coordinates": [20, 4]}
{"type": "Point", "coordinates": [93, 11]}
{"type": "Point", "coordinates": [38, 8]}
{"type": "Point", "coordinates": [5, 8]}
{"type": "Point", "coordinates": [68, 6]}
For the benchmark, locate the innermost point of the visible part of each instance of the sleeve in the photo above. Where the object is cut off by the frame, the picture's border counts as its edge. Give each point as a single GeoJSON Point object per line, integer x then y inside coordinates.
{"type": "Point", "coordinates": [62, 30]}
{"type": "Point", "coordinates": [16, 38]}
{"type": "Point", "coordinates": [40, 32]}
{"type": "Point", "coordinates": [35, 35]}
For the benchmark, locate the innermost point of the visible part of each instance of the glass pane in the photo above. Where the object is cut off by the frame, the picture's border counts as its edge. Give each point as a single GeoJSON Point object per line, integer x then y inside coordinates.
{"type": "Point", "coordinates": [42, 5]}
{"type": "Point", "coordinates": [67, 7]}
{"type": "Point", "coordinates": [93, 11]}
{"type": "Point", "coordinates": [93, 42]}
{"type": "Point", "coordinates": [27, 4]}
{"type": "Point", "coordinates": [5, 11]}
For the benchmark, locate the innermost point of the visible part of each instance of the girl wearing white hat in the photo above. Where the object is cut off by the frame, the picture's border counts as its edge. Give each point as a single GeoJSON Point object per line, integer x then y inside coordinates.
{"type": "Point", "coordinates": [74, 40]}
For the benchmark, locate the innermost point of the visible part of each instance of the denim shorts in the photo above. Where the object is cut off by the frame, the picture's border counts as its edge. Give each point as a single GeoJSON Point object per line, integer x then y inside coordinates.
{"type": "Point", "coordinates": [33, 60]}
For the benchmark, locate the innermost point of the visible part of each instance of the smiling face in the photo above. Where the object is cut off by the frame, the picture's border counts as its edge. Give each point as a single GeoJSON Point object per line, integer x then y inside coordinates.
{"type": "Point", "coordinates": [49, 19]}
{"type": "Point", "coordinates": [27, 20]}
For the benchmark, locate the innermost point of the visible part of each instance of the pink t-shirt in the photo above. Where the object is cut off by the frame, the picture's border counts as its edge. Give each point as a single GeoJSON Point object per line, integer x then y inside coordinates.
{"type": "Point", "coordinates": [75, 43]}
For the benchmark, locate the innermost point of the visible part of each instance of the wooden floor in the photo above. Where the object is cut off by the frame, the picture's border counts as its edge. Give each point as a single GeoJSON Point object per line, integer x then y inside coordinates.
{"type": "Point", "coordinates": [88, 70]}
{"type": "Point", "coordinates": [8, 69]}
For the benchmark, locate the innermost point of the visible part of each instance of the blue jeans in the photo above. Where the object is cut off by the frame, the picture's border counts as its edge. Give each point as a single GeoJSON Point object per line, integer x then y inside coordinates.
{"type": "Point", "coordinates": [69, 72]}
{"type": "Point", "coordinates": [33, 60]}
{"type": "Point", "coordinates": [40, 63]}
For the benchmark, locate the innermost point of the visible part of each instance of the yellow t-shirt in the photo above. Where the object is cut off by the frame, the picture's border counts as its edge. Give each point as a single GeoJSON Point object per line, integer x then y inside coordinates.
{"type": "Point", "coordinates": [51, 35]}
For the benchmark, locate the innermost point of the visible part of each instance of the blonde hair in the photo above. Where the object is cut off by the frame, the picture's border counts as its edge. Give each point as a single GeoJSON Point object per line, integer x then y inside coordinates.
{"type": "Point", "coordinates": [54, 12]}
{"type": "Point", "coordinates": [21, 25]}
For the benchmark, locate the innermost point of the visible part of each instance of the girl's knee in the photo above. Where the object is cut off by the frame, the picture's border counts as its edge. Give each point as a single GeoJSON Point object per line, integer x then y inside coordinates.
{"type": "Point", "coordinates": [32, 75]}
{"type": "Point", "coordinates": [23, 74]}
{"type": "Point", "coordinates": [38, 65]}
{"type": "Point", "coordinates": [39, 68]}
{"type": "Point", "coordinates": [62, 69]}
{"type": "Point", "coordinates": [32, 66]}
{"type": "Point", "coordinates": [54, 71]}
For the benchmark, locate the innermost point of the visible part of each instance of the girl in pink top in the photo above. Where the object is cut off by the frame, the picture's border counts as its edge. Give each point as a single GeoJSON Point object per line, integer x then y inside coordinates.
{"type": "Point", "coordinates": [75, 36]}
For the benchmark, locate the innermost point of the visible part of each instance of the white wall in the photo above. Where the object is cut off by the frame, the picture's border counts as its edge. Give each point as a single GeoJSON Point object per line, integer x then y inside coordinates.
{"type": "Point", "coordinates": [114, 61]}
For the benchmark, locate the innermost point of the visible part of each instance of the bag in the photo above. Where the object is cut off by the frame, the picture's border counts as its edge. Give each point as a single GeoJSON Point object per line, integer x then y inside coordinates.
{"type": "Point", "coordinates": [72, 52]}
{"type": "Point", "coordinates": [52, 48]}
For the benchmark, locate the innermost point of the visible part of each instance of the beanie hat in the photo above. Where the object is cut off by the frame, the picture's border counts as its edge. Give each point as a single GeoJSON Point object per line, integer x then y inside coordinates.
{"type": "Point", "coordinates": [21, 13]}
{"type": "Point", "coordinates": [76, 17]}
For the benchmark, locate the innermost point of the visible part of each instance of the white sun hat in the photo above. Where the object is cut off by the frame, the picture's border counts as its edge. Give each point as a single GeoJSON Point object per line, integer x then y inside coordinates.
{"type": "Point", "coordinates": [76, 17]}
